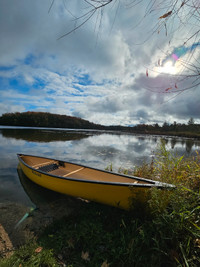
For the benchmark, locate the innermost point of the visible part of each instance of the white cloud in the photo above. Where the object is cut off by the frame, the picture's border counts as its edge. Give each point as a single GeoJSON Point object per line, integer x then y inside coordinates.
{"type": "Point", "coordinates": [97, 72]}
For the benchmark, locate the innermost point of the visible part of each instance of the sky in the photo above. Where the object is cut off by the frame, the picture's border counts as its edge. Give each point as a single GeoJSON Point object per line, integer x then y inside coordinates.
{"type": "Point", "coordinates": [126, 65]}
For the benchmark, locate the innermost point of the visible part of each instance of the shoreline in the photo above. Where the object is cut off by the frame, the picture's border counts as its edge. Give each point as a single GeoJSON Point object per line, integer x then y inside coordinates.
{"type": "Point", "coordinates": [188, 135]}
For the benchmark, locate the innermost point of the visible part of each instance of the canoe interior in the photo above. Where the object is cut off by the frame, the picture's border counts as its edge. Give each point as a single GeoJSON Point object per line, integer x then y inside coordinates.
{"type": "Point", "coordinates": [75, 171]}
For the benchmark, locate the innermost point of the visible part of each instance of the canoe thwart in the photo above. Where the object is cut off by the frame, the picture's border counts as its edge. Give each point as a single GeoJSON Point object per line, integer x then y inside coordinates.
{"type": "Point", "coordinates": [68, 174]}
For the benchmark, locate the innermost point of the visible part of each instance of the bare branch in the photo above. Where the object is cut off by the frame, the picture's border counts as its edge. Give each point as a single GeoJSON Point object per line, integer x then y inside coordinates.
{"type": "Point", "coordinates": [173, 17]}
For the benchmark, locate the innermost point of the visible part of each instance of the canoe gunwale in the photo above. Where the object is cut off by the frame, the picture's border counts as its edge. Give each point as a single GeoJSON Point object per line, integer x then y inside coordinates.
{"type": "Point", "coordinates": [151, 183]}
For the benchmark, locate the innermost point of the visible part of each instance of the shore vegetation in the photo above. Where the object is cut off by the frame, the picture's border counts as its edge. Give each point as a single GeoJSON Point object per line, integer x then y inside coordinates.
{"type": "Point", "coordinates": [166, 232]}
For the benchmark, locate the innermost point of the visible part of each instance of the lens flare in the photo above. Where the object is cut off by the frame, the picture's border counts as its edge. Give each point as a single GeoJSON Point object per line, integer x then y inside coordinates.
{"type": "Point", "coordinates": [171, 64]}
{"type": "Point", "coordinates": [168, 67]}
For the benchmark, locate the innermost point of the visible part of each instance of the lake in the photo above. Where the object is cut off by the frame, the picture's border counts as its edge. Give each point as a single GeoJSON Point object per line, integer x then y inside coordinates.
{"type": "Point", "coordinates": [96, 149]}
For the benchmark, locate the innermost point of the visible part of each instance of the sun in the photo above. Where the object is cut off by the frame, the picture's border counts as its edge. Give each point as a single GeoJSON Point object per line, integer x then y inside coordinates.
{"type": "Point", "coordinates": [168, 67]}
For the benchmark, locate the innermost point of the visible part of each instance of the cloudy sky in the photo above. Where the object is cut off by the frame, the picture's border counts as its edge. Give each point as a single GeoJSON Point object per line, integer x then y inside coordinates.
{"type": "Point", "coordinates": [125, 65]}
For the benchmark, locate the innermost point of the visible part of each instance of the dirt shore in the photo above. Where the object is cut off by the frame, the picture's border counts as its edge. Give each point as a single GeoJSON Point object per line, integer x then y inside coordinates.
{"type": "Point", "coordinates": [16, 231]}
{"type": "Point", "coordinates": [6, 246]}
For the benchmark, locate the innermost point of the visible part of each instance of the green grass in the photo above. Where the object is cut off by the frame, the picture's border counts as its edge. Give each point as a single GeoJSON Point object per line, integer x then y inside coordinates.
{"type": "Point", "coordinates": [168, 234]}
{"type": "Point", "coordinates": [27, 256]}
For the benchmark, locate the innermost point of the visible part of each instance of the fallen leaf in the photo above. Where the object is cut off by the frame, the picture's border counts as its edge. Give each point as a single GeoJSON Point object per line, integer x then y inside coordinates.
{"type": "Point", "coordinates": [168, 89]}
{"type": "Point", "coordinates": [85, 256]}
{"type": "Point", "coordinates": [166, 15]}
{"type": "Point", "coordinates": [183, 3]}
{"type": "Point", "coordinates": [38, 250]}
{"type": "Point", "coordinates": [197, 243]}
{"type": "Point", "coordinates": [105, 264]}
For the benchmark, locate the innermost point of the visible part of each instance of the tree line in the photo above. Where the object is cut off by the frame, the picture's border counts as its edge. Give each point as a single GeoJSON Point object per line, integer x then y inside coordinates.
{"type": "Point", "coordinates": [45, 119]}
{"type": "Point", "coordinates": [49, 120]}
{"type": "Point", "coordinates": [181, 129]}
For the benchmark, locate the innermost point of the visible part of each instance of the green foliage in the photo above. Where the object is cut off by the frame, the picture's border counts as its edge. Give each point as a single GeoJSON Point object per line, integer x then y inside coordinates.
{"type": "Point", "coordinates": [30, 255]}
{"type": "Point", "coordinates": [105, 234]}
{"type": "Point", "coordinates": [177, 210]}
{"type": "Point", "coordinates": [109, 168]}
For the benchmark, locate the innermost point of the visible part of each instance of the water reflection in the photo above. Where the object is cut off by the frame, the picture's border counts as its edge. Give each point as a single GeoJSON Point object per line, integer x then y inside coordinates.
{"type": "Point", "coordinates": [189, 145]}
{"type": "Point", "coordinates": [93, 149]}
{"type": "Point", "coordinates": [38, 195]}
{"type": "Point", "coordinates": [45, 135]}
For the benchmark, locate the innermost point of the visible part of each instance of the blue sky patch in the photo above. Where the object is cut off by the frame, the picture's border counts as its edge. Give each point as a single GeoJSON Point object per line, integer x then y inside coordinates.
{"type": "Point", "coordinates": [19, 85]}
{"type": "Point", "coordinates": [6, 68]}
{"type": "Point", "coordinates": [29, 59]}
{"type": "Point", "coordinates": [78, 88]}
{"type": "Point", "coordinates": [85, 80]}
{"type": "Point", "coordinates": [38, 84]}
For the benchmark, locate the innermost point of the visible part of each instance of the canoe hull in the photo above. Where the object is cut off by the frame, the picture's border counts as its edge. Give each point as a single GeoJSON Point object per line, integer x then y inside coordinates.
{"type": "Point", "coordinates": [88, 183]}
{"type": "Point", "coordinates": [113, 195]}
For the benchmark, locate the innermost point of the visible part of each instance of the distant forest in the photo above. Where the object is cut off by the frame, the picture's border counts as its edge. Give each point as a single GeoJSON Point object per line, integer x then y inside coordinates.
{"type": "Point", "coordinates": [49, 120]}
{"type": "Point", "coordinates": [45, 119]}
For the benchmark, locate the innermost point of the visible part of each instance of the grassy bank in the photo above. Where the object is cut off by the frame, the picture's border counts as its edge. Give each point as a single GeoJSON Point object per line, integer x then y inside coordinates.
{"type": "Point", "coordinates": [166, 233]}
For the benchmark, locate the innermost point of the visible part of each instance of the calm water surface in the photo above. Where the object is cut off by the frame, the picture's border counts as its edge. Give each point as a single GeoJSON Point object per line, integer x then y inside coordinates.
{"type": "Point", "coordinates": [97, 149]}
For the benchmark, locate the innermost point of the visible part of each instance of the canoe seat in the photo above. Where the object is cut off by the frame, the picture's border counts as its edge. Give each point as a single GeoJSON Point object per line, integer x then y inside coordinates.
{"type": "Point", "coordinates": [49, 167]}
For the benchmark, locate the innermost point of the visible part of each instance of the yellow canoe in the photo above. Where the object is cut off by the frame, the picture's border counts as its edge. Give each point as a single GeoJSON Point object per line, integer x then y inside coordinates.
{"type": "Point", "coordinates": [88, 183]}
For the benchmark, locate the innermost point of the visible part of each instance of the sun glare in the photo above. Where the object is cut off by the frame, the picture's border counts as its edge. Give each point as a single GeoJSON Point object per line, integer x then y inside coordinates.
{"type": "Point", "coordinates": [168, 67]}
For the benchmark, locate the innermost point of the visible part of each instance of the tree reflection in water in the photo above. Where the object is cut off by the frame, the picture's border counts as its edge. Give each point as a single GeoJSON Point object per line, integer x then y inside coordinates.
{"type": "Point", "coordinates": [97, 149]}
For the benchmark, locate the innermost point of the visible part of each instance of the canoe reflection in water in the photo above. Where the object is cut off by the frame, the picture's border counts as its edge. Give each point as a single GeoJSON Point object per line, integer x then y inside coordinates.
{"type": "Point", "coordinates": [88, 183]}
{"type": "Point", "coordinates": [47, 205]}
